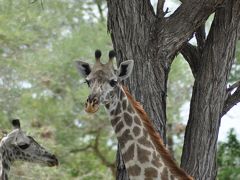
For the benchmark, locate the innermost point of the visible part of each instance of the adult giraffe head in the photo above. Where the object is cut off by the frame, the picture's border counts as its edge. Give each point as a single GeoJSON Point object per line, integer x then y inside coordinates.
{"type": "Point", "coordinates": [103, 79]}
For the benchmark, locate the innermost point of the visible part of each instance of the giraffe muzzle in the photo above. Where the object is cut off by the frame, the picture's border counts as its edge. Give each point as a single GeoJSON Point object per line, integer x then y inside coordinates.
{"type": "Point", "coordinates": [92, 104]}
{"type": "Point", "coordinates": [53, 161]}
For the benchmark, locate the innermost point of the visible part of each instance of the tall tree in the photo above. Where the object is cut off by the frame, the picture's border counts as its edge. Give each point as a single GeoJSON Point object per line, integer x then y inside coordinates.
{"type": "Point", "coordinates": [152, 40]}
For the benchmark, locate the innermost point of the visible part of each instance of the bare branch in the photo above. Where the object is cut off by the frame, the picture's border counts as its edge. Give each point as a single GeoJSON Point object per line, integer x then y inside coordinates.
{"type": "Point", "coordinates": [77, 150]}
{"type": "Point", "coordinates": [160, 12]}
{"type": "Point", "coordinates": [192, 56]}
{"type": "Point", "coordinates": [232, 99]}
{"type": "Point", "coordinates": [99, 153]}
{"type": "Point", "coordinates": [232, 87]}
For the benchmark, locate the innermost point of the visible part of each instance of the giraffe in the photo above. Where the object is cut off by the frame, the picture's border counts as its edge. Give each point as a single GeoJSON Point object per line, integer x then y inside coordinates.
{"type": "Point", "coordinates": [16, 145]}
{"type": "Point", "coordinates": [143, 151]}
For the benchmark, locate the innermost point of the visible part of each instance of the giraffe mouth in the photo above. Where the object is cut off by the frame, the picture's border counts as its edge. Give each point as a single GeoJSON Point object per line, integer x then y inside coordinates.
{"type": "Point", "coordinates": [91, 107]}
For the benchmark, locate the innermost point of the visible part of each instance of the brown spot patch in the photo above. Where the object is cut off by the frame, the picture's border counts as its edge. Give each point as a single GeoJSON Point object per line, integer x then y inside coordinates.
{"type": "Point", "coordinates": [129, 154]}
{"type": "Point", "coordinates": [124, 104]}
{"type": "Point", "coordinates": [151, 172]}
{"type": "Point", "coordinates": [136, 130]}
{"type": "Point", "coordinates": [137, 121]}
{"type": "Point", "coordinates": [144, 141]}
{"type": "Point", "coordinates": [115, 120]}
{"type": "Point", "coordinates": [164, 174]}
{"type": "Point", "coordinates": [119, 127]}
{"type": "Point", "coordinates": [130, 108]}
{"type": "Point", "coordinates": [107, 106]}
{"type": "Point", "coordinates": [121, 95]}
{"type": "Point", "coordinates": [156, 139]}
{"type": "Point", "coordinates": [145, 133]}
{"type": "Point", "coordinates": [134, 170]}
{"type": "Point", "coordinates": [156, 160]}
{"type": "Point", "coordinates": [112, 112]}
{"type": "Point", "coordinates": [128, 119]}
{"type": "Point", "coordinates": [171, 177]}
{"type": "Point", "coordinates": [124, 138]}
{"type": "Point", "coordinates": [143, 155]}
{"type": "Point", "coordinates": [118, 109]}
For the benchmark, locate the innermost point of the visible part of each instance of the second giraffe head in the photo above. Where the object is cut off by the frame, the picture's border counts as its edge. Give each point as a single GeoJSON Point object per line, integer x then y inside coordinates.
{"type": "Point", "coordinates": [103, 80]}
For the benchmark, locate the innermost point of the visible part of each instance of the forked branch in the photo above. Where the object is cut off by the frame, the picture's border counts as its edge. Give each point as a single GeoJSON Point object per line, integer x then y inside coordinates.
{"type": "Point", "coordinates": [160, 12]}
{"type": "Point", "coordinates": [232, 98]}
{"type": "Point", "coordinates": [186, 20]}
{"type": "Point", "coordinates": [192, 56]}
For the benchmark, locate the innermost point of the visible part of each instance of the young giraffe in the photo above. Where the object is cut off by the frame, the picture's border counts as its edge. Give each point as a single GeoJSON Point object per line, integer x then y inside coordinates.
{"type": "Point", "coordinates": [18, 146]}
{"type": "Point", "coordinates": [143, 151]}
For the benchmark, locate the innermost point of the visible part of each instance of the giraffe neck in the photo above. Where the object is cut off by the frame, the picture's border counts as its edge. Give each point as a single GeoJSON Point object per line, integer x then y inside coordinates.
{"type": "Point", "coordinates": [5, 158]}
{"type": "Point", "coordinates": [140, 151]}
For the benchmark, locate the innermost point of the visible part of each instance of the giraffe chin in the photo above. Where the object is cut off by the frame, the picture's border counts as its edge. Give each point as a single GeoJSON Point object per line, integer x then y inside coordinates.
{"type": "Point", "coordinates": [89, 108]}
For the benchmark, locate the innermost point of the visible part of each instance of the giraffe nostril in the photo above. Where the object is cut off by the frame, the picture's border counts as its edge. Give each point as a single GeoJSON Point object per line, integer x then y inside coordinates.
{"type": "Point", "coordinates": [95, 101]}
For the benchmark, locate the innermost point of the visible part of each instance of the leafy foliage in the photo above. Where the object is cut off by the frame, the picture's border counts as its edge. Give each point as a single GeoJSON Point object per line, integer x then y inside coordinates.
{"type": "Point", "coordinates": [229, 158]}
{"type": "Point", "coordinates": [40, 85]}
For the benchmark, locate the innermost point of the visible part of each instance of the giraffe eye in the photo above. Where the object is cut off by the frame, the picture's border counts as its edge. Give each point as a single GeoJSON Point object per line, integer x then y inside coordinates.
{"type": "Point", "coordinates": [23, 146]}
{"type": "Point", "coordinates": [113, 83]}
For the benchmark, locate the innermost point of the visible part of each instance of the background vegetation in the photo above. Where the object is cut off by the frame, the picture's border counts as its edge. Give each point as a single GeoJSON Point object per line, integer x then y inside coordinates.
{"type": "Point", "coordinates": [40, 85]}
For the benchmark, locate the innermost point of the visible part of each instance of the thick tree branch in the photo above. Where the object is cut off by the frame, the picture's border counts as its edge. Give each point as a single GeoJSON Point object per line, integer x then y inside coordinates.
{"type": "Point", "coordinates": [233, 98]}
{"type": "Point", "coordinates": [160, 12]}
{"type": "Point", "coordinates": [192, 56]}
{"type": "Point", "coordinates": [201, 37]}
{"type": "Point", "coordinates": [185, 20]}
{"type": "Point", "coordinates": [209, 93]}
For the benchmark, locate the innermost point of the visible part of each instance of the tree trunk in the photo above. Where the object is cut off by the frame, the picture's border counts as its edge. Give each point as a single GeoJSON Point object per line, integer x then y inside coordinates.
{"type": "Point", "coordinates": [209, 93]}
{"type": "Point", "coordinates": [152, 41]}
{"type": "Point", "coordinates": [134, 40]}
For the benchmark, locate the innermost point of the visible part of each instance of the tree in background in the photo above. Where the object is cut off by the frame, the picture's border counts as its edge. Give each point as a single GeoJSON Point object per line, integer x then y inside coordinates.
{"type": "Point", "coordinates": [153, 39]}
{"type": "Point", "coordinates": [40, 85]}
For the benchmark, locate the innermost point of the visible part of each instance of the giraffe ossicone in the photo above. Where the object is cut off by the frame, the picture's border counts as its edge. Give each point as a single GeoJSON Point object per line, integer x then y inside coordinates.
{"type": "Point", "coordinates": [143, 151]}
{"type": "Point", "coordinates": [16, 145]}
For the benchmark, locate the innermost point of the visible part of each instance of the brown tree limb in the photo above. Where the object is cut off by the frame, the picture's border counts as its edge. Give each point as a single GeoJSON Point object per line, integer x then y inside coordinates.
{"type": "Point", "coordinates": [185, 20]}
{"type": "Point", "coordinates": [209, 93]}
{"type": "Point", "coordinates": [160, 12]}
{"type": "Point", "coordinates": [192, 56]}
{"type": "Point", "coordinates": [233, 98]}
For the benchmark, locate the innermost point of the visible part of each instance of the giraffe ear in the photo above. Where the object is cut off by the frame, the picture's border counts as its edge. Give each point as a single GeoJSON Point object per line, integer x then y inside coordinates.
{"type": "Point", "coordinates": [16, 123]}
{"type": "Point", "coordinates": [84, 68]}
{"type": "Point", "coordinates": [125, 69]}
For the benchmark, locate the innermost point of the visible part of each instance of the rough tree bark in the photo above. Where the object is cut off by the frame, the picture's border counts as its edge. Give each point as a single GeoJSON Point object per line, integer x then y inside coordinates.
{"type": "Point", "coordinates": [153, 40]}
{"type": "Point", "coordinates": [211, 64]}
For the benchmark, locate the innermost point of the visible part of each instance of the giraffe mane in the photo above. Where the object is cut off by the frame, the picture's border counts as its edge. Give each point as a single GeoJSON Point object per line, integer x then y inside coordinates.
{"type": "Point", "coordinates": [156, 139]}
